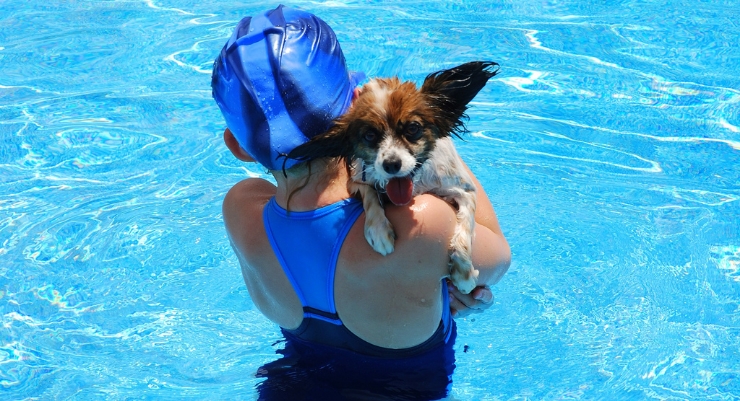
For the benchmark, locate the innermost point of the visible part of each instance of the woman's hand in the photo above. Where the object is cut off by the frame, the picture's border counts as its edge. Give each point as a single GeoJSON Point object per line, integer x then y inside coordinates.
{"type": "Point", "coordinates": [461, 305]}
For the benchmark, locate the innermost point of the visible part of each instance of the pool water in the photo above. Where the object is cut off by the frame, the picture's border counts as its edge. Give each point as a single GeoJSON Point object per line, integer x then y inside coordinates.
{"type": "Point", "coordinates": [609, 146]}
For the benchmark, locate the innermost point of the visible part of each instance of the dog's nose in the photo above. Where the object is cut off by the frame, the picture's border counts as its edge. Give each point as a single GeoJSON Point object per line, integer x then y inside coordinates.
{"type": "Point", "coordinates": [391, 166]}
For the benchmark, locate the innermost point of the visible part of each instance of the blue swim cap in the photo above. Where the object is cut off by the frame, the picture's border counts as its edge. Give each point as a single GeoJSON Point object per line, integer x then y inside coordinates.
{"type": "Point", "coordinates": [279, 80]}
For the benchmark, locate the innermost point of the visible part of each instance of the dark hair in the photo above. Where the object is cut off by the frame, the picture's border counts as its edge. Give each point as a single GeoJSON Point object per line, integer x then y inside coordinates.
{"type": "Point", "coordinates": [331, 163]}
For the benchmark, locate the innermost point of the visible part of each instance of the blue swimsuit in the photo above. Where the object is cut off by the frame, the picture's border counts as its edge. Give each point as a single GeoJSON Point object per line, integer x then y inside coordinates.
{"type": "Point", "coordinates": [307, 244]}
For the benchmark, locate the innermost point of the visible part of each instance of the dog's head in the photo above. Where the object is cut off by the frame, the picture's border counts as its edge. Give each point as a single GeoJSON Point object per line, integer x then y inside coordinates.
{"type": "Point", "coordinates": [392, 126]}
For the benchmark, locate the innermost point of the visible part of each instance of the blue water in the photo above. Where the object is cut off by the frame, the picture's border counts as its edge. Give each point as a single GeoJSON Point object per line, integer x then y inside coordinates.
{"type": "Point", "coordinates": [609, 146]}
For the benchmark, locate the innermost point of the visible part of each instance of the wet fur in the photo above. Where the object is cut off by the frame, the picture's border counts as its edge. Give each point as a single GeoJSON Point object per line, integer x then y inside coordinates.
{"type": "Point", "coordinates": [387, 111]}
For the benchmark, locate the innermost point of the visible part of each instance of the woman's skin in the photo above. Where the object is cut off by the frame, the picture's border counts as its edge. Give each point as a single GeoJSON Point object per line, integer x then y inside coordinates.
{"type": "Point", "coordinates": [391, 301]}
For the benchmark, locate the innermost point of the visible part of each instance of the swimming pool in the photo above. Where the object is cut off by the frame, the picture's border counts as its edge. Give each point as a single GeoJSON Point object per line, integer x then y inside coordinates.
{"type": "Point", "coordinates": [609, 145]}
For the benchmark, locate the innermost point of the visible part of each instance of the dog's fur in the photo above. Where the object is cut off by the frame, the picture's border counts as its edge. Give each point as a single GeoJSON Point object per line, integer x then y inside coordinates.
{"type": "Point", "coordinates": [395, 130]}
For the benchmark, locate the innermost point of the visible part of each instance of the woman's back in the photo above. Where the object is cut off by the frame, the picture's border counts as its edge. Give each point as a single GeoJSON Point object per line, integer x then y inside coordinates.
{"type": "Point", "coordinates": [393, 301]}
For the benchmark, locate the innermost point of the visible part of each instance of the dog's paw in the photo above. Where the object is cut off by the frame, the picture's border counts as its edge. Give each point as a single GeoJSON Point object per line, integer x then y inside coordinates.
{"type": "Point", "coordinates": [462, 272]}
{"type": "Point", "coordinates": [380, 235]}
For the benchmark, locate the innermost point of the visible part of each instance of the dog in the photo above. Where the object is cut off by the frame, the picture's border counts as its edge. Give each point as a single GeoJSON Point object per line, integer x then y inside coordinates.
{"type": "Point", "coordinates": [397, 143]}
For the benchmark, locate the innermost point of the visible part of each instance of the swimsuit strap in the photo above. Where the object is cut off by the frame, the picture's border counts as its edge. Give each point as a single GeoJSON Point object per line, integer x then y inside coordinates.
{"type": "Point", "coordinates": [307, 244]}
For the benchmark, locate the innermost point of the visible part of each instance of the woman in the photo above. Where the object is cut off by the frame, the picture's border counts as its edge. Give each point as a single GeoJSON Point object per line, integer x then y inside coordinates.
{"type": "Point", "coordinates": [279, 80]}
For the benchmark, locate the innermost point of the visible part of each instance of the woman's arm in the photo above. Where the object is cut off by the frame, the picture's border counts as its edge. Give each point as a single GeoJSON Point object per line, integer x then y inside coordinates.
{"type": "Point", "coordinates": [494, 255]}
{"type": "Point", "coordinates": [492, 258]}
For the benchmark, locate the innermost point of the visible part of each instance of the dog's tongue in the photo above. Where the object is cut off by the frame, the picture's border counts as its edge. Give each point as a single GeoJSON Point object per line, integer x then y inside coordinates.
{"type": "Point", "coordinates": [400, 190]}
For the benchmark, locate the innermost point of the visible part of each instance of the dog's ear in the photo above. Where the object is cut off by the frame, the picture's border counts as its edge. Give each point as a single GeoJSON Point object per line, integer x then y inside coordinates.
{"type": "Point", "coordinates": [332, 143]}
{"type": "Point", "coordinates": [460, 84]}
{"type": "Point", "coordinates": [451, 90]}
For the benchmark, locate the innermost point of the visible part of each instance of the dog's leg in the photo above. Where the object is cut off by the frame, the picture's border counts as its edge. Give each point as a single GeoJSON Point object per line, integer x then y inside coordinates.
{"type": "Point", "coordinates": [462, 272]}
{"type": "Point", "coordinates": [444, 174]}
{"type": "Point", "coordinates": [378, 230]}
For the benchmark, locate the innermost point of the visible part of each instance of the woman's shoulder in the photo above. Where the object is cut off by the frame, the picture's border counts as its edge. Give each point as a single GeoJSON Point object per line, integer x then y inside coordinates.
{"type": "Point", "coordinates": [427, 219]}
{"type": "Point", "coordinates": [243, 205]}
{"type": "Point", "coordinates": [249, 193]}
{"type": "Point", "coordinates": [423, 229]}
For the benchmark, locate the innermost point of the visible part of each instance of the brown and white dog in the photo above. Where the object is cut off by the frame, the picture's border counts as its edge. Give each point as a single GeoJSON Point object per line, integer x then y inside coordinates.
{"type": "Point", "coordinates": [397, 141]}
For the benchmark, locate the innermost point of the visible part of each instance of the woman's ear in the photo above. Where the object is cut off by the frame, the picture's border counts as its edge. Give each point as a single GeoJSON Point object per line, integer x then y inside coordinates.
{"type": "Point", "coordinates": [355, 95]}
{"type": "Point", "coordinates": [235, 148]}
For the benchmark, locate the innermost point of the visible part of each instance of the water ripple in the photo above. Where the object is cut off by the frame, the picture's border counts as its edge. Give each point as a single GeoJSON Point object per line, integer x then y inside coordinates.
{"type": "Point", "coordinates": [731, 143]}
{"type": "Point", "coordinates": [728, 261]}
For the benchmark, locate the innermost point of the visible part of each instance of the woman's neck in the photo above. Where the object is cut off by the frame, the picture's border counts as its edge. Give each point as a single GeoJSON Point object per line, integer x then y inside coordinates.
{"type": "Point", "coordinates": [325, 183]}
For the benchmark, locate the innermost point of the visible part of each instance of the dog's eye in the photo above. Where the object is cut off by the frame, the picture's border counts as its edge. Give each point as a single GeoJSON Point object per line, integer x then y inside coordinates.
{"type": "Point", "coordinates": [413, 131]}
{"type": "Point", "coordinates": [370, 135]}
